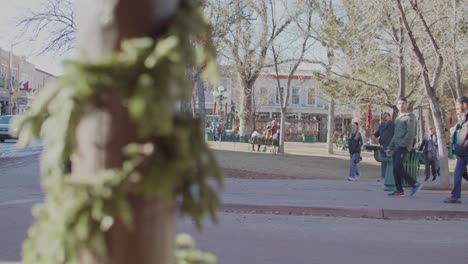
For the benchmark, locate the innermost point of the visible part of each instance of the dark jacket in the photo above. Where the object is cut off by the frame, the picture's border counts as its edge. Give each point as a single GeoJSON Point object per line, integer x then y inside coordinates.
{"type": "Point", "coordinates": [460, 137]}
{"type": "Point", "coordinates": [385, 133]}
{"type": "Point", "coordinates": [429, 146]}
{"type": "Point", "coordinates": [354, 145]}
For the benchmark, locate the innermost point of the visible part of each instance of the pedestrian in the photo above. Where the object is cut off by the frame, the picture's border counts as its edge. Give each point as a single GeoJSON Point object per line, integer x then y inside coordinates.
{"type": "Point", "coordinates": [384, 134]}
{"type": "Point", "coordinates": [274, 127]}
{"type": "Point", "coordinates": [276, 139]}
{"type": "Point", "coordinates": [213, 128]}
{"type": "Point", "coordinates": [220, 131]}
{"type": "Point", "coordinates": [354, 147]}
{"type": "Point", "coordinates": [401, 143]}
{"type": "Point", "coordinates": [430, 147]}
{"type": "Point", "coordinates": [268, 131]}
{"type": "Point", "coordinates": [460, 144]}
{"type": "Point", "coordinates": [256, 138]}
{"type": "Point", "coordinates": [336, 135]}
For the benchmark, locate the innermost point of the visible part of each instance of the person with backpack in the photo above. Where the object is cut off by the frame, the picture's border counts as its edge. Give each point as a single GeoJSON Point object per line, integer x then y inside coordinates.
{"type": "Point", "coordinates": [354, 147]}
{"type": "Point", "coordinates": [460, 145]}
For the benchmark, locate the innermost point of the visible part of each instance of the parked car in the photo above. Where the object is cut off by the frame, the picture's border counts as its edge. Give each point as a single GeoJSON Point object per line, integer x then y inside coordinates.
{"type": "Point", "coordinates": [5, 126]}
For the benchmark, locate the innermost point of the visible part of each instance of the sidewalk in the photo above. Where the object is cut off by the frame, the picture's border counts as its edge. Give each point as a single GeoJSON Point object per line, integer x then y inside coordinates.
{"type": "Point", "coordinates": [317, 186]}
{"type": "Point", "coordinates": [336, 198]}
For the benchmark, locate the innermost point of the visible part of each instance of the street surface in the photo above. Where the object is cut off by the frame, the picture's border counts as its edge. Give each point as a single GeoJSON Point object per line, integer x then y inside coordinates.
{"type": "Point", "coordinates": [265, 238]}
{"type": "Point", "coordinates": [9, 149]}
{"type": "Point", "coordinates": [268, 239]}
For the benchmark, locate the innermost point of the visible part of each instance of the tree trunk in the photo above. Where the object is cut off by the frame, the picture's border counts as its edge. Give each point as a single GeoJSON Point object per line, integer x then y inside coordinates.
{"type": "Point", "coordinates": [430, 86]}
{"type": "Point", "coordinates": [401, 74]}
{"type": "Point", "coordinates": [429, 121]}
{"type": "Point", "coordinates": [330, 125]}
{"type": "Point", "coordinates": [246, 116]}
{"type": "Point", "coordinates": [395, 112]}
{"type": "Point", "coordinates": [106, 128]}
{"type": "Point", "coordinates": [443, 152]}
{"type": "Point", "coordinates": [458, 79]}
{"type": "Point", "coordinates": [361, 116]}
{"type": "Point", "coordinates": [401, 64]}
{"type": "Point", "coordinates": [421, 124]}
{"type": "Point", "coordinates": [283, 131]}
{"type": "Point", "coordinates": [200, 94]}
{"type": "Point", "coordinates": [456, 65]}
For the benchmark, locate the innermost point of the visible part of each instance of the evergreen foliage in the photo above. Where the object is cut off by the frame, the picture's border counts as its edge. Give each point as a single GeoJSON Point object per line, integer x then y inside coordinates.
{"type": "Point", "coordinates": [174, 162]}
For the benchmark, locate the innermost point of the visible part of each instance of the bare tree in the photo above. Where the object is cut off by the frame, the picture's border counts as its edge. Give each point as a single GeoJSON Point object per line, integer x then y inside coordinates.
{"type": "Point", "coordinates": [304, 35]}
{"type": "Point", "coordinates": [245, 44]}
{"type": "Point", "coordinates": [454, 70]}
{"type": "Point", "coordinates": [329, 35]}
{"type": "Point", "coordinates": [370, 43]}
{"type": "Point", "coordinates": [56, 20]}
{"type": "Point", "coordinates": [430, 83]}
{"type": "Point", "coordinates": [220, 25]}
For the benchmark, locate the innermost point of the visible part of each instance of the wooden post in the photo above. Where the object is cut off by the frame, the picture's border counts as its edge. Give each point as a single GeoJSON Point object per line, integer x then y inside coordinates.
{"type": "Point", "coordinates": [107, 127]}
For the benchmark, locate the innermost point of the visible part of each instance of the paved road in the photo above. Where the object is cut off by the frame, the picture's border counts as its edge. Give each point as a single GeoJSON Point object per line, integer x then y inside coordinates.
{"type": "Point", "coordinates": [19, 190]}
{"type": "Point", "coordinates": [250, 238]}
{"type": "Point", "coordinates": [9, 149]}
{"type": "Point", "coordinates": [14, 223]}
{"type": "Point", "coordinates": [273, 239]}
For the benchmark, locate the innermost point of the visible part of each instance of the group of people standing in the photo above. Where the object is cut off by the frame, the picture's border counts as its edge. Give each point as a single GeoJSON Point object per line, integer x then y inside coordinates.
{"type": "Point", "coordinates": [272, 132]}
{"type": "Point", "coordinates": [217, 129]}
{"type": "Point", "coordinates": [397, 138]}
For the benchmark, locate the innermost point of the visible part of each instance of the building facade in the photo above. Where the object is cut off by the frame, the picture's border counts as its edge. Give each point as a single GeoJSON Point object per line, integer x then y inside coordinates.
{"type": "Point", "coordinates": [307, 110]}
{"type": "Point", "coordinates": [20, 82]}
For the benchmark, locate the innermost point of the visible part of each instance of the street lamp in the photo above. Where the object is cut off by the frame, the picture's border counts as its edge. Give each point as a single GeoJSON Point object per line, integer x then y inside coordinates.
{"type": "Point", "coordinates": [220, 95]}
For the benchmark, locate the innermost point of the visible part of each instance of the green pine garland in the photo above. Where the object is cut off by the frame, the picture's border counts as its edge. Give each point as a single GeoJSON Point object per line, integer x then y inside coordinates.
{"type": "Point", "coordinates": [171, 164]}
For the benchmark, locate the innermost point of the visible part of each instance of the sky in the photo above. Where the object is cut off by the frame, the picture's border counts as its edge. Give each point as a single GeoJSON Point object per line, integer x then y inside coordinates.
{"type": "Point", "coordinates": [11, 11]}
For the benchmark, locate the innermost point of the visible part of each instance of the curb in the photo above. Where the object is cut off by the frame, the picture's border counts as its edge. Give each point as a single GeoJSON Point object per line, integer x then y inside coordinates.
{"type": "Point", "coordinates": [376, 213]}
{"type": "Point", "coordinates": [439, 188]}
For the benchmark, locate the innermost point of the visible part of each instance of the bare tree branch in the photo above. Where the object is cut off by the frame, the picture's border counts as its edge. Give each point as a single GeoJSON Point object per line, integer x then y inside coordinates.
{"type": "Point", "coordinates": [440, 60]}
{"type": "Point", "coordinates": [56, 20]}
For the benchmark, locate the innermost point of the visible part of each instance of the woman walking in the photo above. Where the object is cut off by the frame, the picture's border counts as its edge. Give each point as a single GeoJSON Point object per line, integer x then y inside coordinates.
{"type": "Point", "coordinates": [354, 147]}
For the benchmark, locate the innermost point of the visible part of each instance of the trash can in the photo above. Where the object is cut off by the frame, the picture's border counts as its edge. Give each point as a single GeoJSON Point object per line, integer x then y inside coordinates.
{"type": "Point", "coordinates": [411, 165]}
{"type": "Point", "coordinates": [308, 138]}
{"type": "Point", "coordinates": [209, 136]}
{"type": "Point", "coordinates": [228, 135]}
{"type": "Point", "coordinates": [450, 152]}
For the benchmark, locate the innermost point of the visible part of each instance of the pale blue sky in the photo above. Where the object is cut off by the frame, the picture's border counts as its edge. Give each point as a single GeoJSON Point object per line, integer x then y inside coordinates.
{"type": "Point", "coordinates": [11, 11]}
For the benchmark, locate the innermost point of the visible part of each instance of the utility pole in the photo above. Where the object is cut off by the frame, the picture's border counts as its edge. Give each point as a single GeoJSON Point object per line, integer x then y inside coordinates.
{"type": "Point", "coordinates": [10, 83]}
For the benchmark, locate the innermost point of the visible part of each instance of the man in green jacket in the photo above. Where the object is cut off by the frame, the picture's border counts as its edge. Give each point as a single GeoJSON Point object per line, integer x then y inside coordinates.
{"type": "Point", "coordinates": [402, 141]}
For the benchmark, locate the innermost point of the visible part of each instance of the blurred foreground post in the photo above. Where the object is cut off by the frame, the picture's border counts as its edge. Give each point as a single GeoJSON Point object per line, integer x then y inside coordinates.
{"type": "Point", "coordinates": [106, 128]}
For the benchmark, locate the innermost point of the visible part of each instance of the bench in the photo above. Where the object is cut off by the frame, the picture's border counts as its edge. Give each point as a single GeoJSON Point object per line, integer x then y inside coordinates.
{"type": "Point", "coordinates": [259, 141]}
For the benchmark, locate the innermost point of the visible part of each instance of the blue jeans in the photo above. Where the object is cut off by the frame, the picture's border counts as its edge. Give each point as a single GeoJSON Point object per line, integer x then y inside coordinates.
{"type": "Point", "coordinates": [462, 161]}
{"type": "Point", "coordinates": [353, 168]}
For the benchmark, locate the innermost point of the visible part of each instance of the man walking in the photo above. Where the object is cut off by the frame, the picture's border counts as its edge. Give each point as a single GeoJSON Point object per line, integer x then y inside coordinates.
{"type": "Point", "coordinates": [385, 134]}
{"type": "Point", "coordinates": [460, 143]}
{"type": "Point", "coordinates": [401, 143]}
{"type": "Point", "coordinates": [430, 152]}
